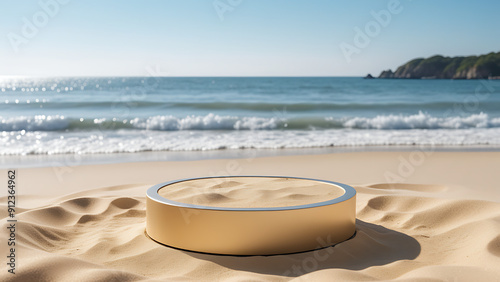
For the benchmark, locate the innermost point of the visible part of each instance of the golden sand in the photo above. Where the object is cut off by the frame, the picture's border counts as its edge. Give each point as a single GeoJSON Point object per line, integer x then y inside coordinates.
{"type": "Point", "coordinates": [250, 192]}
{"type": "Point", "coordinates": [440, 222]}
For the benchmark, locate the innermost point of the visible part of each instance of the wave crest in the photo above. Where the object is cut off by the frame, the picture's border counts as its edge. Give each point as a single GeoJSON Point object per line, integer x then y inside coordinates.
{"type": "Point", "coordinates": [218, 122]}
{"type": "Point", "coordinates": [422, 121]}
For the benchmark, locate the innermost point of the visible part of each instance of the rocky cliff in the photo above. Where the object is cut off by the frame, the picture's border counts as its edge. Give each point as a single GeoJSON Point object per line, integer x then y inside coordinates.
{"type": "Point", "coordinates": [472, 67]}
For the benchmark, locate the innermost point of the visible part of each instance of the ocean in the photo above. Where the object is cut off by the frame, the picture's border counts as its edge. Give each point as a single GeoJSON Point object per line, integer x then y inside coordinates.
{"type": "Point", "coordinates": [108, 115]}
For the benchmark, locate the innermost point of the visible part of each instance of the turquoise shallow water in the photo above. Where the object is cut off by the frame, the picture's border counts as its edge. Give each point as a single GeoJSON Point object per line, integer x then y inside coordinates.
{"type": "Point", "coordinates": [112, 115]}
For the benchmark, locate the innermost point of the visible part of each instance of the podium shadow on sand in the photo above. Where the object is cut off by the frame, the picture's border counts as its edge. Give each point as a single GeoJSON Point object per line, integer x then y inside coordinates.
{"type": "Point", "coordinates": [372, 245]}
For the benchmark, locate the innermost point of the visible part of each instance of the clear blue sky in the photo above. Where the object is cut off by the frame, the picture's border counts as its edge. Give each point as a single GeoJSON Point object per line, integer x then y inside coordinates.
{"type": "Point", "coordinates": [255, 38]}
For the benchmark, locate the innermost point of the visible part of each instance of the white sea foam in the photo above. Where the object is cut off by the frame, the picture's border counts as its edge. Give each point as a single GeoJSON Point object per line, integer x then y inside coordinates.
{"type": "Point", "coordinates": [18, 143]}
{"type": "Point", "coordinates": [107, 115]}
{"type": "Point", "coordinates": [59, 135]}
{"type": "Point", "coordinates": [219, 122]}
{"type": "Point", "coordinates": [208, 122]}
{"type": "Point", "coordinates": [422, 121]}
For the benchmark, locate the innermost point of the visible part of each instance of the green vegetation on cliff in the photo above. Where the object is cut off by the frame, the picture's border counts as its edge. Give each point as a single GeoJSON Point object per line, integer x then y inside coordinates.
{"type": "Point", "coordinates": [471, 67]}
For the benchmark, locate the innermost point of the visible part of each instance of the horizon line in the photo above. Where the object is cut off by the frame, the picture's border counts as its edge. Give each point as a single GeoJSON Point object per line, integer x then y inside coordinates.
{"type": "Point", "coordinates": [193, 76]}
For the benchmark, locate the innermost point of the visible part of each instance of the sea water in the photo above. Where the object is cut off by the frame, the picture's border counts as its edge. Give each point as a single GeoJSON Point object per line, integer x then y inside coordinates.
{"type": "Point", "coordinates": [85, 115]}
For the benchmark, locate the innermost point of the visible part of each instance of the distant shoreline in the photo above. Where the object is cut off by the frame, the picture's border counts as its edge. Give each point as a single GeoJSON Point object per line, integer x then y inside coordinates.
{"type": "Point", "coordinates": [434, 78]}
{"type": "Point", "coordinates": [438, 67]}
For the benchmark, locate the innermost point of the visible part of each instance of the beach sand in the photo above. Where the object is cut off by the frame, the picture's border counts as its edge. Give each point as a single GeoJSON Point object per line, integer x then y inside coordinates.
{"type": "Point", "coordinates": [420, 216]}
{"type": "Point", "coordinates": [250, 192]}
